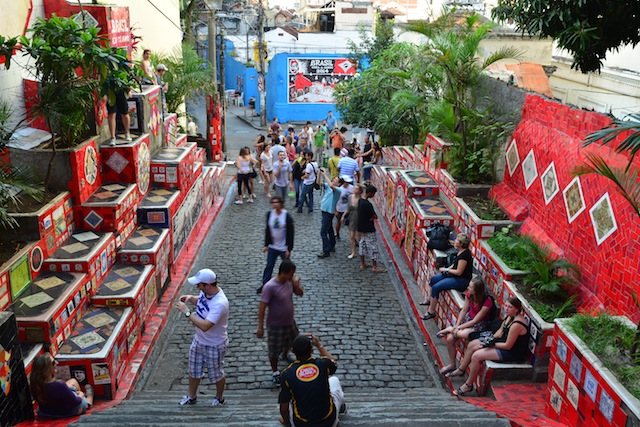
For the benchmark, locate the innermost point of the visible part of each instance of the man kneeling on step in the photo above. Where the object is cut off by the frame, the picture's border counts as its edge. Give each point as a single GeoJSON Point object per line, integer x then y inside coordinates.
{"type": "Point", "coordinates": [310, 393]}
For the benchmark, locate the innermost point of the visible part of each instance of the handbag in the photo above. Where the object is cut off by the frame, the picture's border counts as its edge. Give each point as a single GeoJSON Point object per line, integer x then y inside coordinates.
{"type": "Point", "coordinates": [316, 184]}
{"type": "Point", "coordinates": [253, 173]}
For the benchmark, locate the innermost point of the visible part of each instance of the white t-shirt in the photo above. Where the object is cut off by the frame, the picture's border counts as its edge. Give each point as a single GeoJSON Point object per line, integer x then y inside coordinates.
{"type": "Point", "coordinates": [278, 229]}
{"type": "Point", "coordinates": [274, 152]}
{"type": "Point", "coordinates": [267, 161]}
{"type": "Point", "coordinates": [343, 200]}
{"type": "Point", "coordinates": [216, 311]}
{"type": "Point", "coordinates": [311, 171]}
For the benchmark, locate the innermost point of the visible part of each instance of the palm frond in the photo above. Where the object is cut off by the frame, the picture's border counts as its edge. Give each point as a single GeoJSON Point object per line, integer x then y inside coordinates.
{"type": "Point", "coordinates": [617, 128]}
{"type": "Point", "coordinates": [507, 52]}
{"type": "Point", "coordinates": [626, 180]}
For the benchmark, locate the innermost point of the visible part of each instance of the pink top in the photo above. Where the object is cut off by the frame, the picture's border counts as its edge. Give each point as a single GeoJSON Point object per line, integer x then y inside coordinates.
{"type": "Point", "coordinates": [475, 309]}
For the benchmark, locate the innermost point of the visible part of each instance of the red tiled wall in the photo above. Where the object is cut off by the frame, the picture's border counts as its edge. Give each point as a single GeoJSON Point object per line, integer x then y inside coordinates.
{"type": "Point", "coordinates": [609, 270]}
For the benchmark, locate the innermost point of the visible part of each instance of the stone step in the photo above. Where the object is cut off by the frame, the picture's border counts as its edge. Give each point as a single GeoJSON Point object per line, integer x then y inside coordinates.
{"type": "Point", "coordinates": [376, 407]}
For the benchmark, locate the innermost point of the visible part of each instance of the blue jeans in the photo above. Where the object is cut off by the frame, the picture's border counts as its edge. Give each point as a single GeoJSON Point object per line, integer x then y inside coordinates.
{"type": "Point", "coordinates": [297, 184]}
{"type": "Point", "coordinates": [272, 256]}
{"type": "Point", "coordinates": [366, 172]}
{"type": "Point", "coordinates": [306, 194]}
{"type": "Point", "coordinates": [440, 283]}
{"type": "Point", "coordinates": [327, 233]}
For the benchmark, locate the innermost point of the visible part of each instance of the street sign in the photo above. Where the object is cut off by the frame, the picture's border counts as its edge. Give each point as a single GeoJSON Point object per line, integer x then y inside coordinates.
{"type": "Point", "coordinates": [256, 51]}
{"type": "Point", "coordinates": [260, 83]}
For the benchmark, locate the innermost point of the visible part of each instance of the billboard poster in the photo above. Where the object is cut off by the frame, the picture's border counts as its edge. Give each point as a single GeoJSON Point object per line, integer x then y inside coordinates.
{"type": "Point", "coordinates": [311, 80]}
{"type": "Point", "coordinates": [120, 29]}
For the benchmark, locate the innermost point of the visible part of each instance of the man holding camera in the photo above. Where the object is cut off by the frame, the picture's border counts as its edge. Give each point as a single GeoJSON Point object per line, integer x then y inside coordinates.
{"type": "Point", "coordinates": [310, 393]}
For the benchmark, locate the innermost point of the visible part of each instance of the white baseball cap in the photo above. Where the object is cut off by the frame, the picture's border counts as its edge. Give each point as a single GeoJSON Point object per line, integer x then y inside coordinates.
{"type": "Point", "coordinates": [346, 178]}
{"type": "Point", "coordinates": [162, 67]}
{"type": "Point", "coordinates": [203, 276]}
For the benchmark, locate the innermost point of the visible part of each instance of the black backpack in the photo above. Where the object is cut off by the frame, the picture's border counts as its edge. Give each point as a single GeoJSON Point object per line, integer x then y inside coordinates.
{"type": "Point", "coordinates": [438, 235]}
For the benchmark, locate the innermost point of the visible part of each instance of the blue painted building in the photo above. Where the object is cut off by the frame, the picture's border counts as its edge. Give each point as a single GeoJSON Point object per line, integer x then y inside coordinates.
{"type": "Point", "coordinates": [299, 86]}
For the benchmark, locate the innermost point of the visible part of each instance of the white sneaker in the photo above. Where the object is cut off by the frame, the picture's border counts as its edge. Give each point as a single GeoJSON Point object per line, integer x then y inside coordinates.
{"type": "Point", "coordinates": [217, 401]}
{"type": "Point", "coordinates": [188, 400]}
{"type": "Point", "coordinates": [238, 202]}
{"type": "Point", "coordinates": [112, 142]}
{"type": "Point", "coordinates": [128, 138]}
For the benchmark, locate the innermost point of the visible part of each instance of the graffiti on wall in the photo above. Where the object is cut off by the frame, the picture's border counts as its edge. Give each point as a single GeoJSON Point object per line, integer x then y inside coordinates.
{"type": "Point", "coordinates": [312, 80]}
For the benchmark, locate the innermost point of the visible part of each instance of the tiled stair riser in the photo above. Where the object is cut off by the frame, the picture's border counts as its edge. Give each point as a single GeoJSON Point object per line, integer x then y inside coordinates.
{"type": "Point", "coordinates": [478, 229]}
{"type": "Point", "coordinates": [40, 225]}
{"type": "Point", "coordinates": [174, 167]}
{"type": "Point", "coordinates": [493, 270]}
{"type": "Point", "coordinates": [540, 333]}
{"type": "Point", "coordinates": [47, 309]}
{"type": "Point", "coordinates": [147, 115]}
{"type": "Point", "coordinates": [185, 221]}
{"type": "Point", "coordinates": [97, 350]}
{"type": "Point", "coordinates": [158, 207]}
{"type": "Point", "coordinates": [582, 391]}
{"type": "Point", "coordinates": [85, 171]}
{"type": "Point", "coordinates": [129, 285]}
{"type": "Point", "coordinates": [149, 246]}
{"type": "Point", "coordinates": [85, 252]}
{"type": "Point", "coordinates": [128, 163]}
{"type": "Point", "coordinates": [110, 208]}
{"type": "Point", "coordinates": [418, 157]}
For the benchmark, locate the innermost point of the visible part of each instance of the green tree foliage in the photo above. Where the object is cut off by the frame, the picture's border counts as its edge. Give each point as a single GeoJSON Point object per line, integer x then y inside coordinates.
{"type": "Point", "coordinates": [372, 47]}
{"type": "Point", "coordinates": [189, 76]}
{"type": "Point", "coordinates": [627, 179]}
{"type": "Point", "coordinates": [367, 99]}
{"type": "Point", "coordinates": [589, 29]}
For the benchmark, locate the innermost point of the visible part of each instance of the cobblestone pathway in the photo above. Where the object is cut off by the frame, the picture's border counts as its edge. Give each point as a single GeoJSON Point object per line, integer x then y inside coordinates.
{"type": "Point", "coordinates": [357, 315]}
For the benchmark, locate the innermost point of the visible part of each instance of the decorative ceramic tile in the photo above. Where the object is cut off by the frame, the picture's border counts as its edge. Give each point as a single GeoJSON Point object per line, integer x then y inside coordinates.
{"type": "Point", "coordinates": [155, 199]}
{"type": "Point", "coordinates": [100, 320]}
{"type": "Point", "coordinates": [606, 405]}
{"type": "Point", "coordinates": [116, 285]}
{"type": "Point", "coordinates": [602, 218]}
{"type": "Point", "coordinates": [144, 163]}
{"type": "Point", "coordinates": [74, 247]}
{"type": "Point", "coordinates": [573, 199]}
{"type": "Point", "coordinates": [35, 300]}
{"type": "Point", "coordinates": [138, 241]}
{"type": "Point", "coordinates": [590, 385]}
{"type": "Point", "coordinates": [117, 162]}
{"type": "Point", "coordinates": [83, 237]}
{"type": "Point", "coordinates": [549, 183]}
{"type": "Point", "coordinates": [127, 271]}
{"type": "Point", "coordinates": [559, 376]}
{"type": "Point", "coordinates": [49, 282]}
{"type": "Point", "coordinates": [573, 394]}
{"type": "Point", "coordinates": [555, 400]}
{"type": "Point", "coordinates": [93, 219]}
{"type": "Point", "coordinates": [90, 165]}
{"type": "Point", "coordinates": [576, 367]}
{"type": "Point", "coordinates": [103, 195]}
{"type": "Point", "coordinates": [113, 187]}
{"type": "Point", "coordinates": [561, 350]}
{"type": "Point", "coordinates": [529, 169]}
{"type": "Point", "coordinates": [87, 340]}
{"type": "Point", "coordinates": [512, 157]}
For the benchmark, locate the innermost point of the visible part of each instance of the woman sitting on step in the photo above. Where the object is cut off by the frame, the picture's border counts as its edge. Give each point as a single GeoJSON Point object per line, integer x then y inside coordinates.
{"type": "Point", "coordinates": [508, 344]}
{"type": "Point", "coordinates": [473, 317]}
{"type": "Point", "coordinates": [57, 398]}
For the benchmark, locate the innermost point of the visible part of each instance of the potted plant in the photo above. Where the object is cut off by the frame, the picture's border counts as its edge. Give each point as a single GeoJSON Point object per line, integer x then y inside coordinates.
{"type": "Point", "coordinates": [72, 64]}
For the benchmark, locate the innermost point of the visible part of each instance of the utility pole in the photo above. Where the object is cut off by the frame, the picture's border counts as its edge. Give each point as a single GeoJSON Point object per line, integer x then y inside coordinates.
{"type": "Point", "coordinates": [261, 73]}
{"type": "Point", "coordinates": [223, 98]}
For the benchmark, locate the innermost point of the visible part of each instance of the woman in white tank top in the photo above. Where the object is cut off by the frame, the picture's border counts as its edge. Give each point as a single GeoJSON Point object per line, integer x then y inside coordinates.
{"type": "Point", "coordinates": [244, 163]}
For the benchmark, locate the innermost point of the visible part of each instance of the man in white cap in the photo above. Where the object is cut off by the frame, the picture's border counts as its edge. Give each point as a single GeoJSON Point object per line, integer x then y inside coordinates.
{"type": "Point", "coordinates": [209, 345]}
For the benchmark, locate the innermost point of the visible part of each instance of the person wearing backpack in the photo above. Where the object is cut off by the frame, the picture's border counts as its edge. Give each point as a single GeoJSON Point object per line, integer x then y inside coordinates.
{"type": "Point", "coordinates": [309, 181]}
{"type": "Point", "coordinates": [473, 317]}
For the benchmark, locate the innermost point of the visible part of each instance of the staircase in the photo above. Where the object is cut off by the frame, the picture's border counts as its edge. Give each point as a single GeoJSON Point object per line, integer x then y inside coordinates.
{"type": "Point", "coordinates": [366, 407]}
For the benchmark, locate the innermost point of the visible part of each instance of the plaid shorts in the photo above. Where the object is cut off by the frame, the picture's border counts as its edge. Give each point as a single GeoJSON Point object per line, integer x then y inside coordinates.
{"type": "Point", "coordinates": [279, 339]}
{"type": "Point", "coordinates": [369, 245]}
{"type": "Point", "coordinates": [211, 355]}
